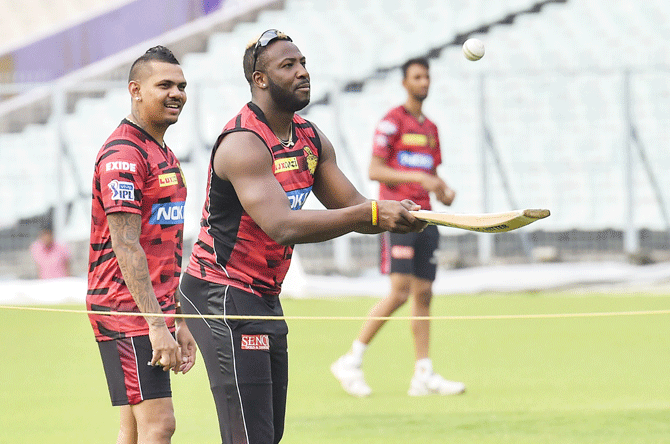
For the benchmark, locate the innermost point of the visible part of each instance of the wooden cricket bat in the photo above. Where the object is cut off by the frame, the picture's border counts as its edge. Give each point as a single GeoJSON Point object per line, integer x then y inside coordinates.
{"type": "Point", "coordinates": [484, 222]}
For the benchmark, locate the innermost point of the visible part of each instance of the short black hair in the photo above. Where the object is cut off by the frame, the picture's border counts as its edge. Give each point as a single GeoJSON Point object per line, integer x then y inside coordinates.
{"type": "Point", "coordinates": [158, 53]}
{"type": "Point", "coordinates": [423, 61]}
{"type": "Point", "coordinates": [248, 59]}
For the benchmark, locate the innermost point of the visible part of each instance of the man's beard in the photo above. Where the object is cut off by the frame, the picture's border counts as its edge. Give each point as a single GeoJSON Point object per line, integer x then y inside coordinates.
{"type": "Point", "coordinates": [420, 97]}
{"type": "Point", "coordinates": [286, 99]}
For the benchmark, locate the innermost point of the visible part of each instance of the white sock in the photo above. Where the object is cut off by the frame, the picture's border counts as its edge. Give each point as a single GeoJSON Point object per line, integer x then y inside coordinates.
{"type": "Point", "coordinates": [357, 351]}
{"type": "Point", "coordinates": [423, 367]}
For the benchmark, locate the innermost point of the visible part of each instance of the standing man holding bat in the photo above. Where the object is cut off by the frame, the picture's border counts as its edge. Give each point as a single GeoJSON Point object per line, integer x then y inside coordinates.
{"type": "Point", "coordinates": [263, 166]}
{"type": "Point", "coordinates": [406, 153]}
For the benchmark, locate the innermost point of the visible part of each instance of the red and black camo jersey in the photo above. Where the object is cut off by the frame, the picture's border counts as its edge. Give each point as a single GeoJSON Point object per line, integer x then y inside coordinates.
{"type": "Point", "coordinates": [231, 248]}
{"type": "Point", "coordinates": [407, 144]}
{"type": "Point", "coordinates": [134, 174]}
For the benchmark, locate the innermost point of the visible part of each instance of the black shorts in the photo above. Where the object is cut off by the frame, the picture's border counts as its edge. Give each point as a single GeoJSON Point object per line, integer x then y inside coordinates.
{"type": "Point", "coordinates": [411, 253]}
{"type": "Point", "coordinates": [130, 377]}
{"type": "Point", "coordinates": [246, 360]}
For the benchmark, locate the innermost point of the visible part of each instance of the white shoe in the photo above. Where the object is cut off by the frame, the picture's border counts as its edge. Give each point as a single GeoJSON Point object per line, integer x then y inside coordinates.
{"type": "Point", "coordinates": [434, 384]}
{"type": "Point", "coordinates": [350, 376]}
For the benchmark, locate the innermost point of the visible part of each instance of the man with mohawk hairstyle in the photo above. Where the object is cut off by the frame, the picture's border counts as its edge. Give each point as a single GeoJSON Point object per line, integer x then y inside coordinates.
{"type": "Point", "coordinates": [137, 224]}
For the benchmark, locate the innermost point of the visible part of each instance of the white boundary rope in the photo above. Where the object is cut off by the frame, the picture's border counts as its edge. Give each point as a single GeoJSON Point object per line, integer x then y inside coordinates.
{"type": "Point", "coordinates": [350, 318]}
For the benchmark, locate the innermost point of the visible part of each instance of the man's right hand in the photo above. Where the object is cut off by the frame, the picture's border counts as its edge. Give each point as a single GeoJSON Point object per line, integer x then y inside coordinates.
{"type": "Point", "coordinates": [166, 351]}
{"type": "Point", "coordinates": [394, 216]}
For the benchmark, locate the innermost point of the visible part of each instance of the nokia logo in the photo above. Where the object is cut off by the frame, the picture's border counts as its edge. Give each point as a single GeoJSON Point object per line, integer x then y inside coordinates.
{"type": "Point", "coordinates": [120, 166]}
{"type": "Point", "coordinates": [415, 160]}
{"type": "Point", "coordinates": [297, 198]}
{"type": "Point", "coordinates": [255, 342]}
{"type": "Point", "coordinates": [122, 190]}
{"type": "Point", "coordinates": [170, 213]}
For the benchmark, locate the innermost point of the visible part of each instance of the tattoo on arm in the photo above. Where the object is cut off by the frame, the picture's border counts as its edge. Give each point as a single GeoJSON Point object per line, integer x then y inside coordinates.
{"type": "Point", "coordinates": [125, 229]}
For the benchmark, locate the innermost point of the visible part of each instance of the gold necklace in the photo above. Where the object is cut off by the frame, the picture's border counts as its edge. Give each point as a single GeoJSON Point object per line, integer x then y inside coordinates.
{"type": "Point", "coordinates": [288, 142]}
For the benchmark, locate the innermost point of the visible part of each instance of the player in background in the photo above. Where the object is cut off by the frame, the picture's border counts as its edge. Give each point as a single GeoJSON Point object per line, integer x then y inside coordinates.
{"type": "Point", "coordinates": [405, 156]}
{"type": "Point", "coordinates": [263, 166]}
{"type": "Point", "coordinates": [137, 223]}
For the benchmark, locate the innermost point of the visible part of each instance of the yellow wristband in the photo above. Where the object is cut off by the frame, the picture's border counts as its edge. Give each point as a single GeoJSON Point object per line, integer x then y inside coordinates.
{"type": "Point", "coordinates": [375, 213]}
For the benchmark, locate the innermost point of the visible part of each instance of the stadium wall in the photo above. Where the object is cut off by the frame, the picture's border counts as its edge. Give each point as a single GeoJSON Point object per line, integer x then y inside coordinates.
{"type": "Point", "coordinates": [92, 40]}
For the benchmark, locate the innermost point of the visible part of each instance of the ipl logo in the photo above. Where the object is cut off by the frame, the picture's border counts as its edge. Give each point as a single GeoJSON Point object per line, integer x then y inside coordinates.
{"type": "Point", "coordinates": [122, 190]}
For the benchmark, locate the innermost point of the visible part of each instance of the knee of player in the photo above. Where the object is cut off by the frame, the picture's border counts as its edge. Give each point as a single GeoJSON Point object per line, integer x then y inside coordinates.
{"type": "Point", "coordinates": [423, 297]}
{"type": "Point", "coordinates": [170, 427]}
{"type": "Point", "coordinates": [400, 296]}
{"type": "Point", "coordinates": [162, 427]}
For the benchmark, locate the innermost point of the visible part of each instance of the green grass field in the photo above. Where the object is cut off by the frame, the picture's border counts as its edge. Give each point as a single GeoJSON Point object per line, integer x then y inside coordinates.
{"type": "Point", "coordinates": [556, 380]}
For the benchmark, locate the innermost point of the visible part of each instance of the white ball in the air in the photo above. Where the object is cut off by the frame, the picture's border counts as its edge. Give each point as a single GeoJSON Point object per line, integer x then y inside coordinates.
{"type": "Point", "coordinates": [473, 49]}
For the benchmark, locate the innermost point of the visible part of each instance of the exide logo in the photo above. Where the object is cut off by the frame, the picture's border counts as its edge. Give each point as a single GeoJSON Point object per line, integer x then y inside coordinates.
{"type": "Point", "coordinates": [255, 342]}
{"type": "Point", "coordinates": [121, 166]}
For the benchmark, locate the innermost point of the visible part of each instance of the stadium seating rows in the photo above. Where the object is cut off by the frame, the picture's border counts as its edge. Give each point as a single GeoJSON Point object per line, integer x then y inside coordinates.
{"type": "Point", "coordinates": [29, 18]}
{"type": "Point", "coordinates": [554, 102]}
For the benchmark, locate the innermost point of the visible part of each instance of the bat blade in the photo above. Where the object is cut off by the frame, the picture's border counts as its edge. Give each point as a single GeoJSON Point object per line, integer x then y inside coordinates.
{"type": "Point", "coordinates": [483, 222]}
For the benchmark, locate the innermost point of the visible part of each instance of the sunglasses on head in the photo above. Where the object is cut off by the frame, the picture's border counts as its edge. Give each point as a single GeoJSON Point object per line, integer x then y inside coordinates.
{"type": "Point", "coordinates": [265, 39]}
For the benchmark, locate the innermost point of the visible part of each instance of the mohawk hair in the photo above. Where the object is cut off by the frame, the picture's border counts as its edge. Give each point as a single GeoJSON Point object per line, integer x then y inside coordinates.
{"type": "Point", "coordinates": [158, 53]}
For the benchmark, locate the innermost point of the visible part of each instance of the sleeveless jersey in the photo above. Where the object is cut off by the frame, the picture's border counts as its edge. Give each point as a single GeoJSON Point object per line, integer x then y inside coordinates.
{"type": "Point", "coordinates": [231, 248]}
{"type": "Point", "coordinates": [407, 145]}
{"type": "Point", "coordinates": [134, 174]}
